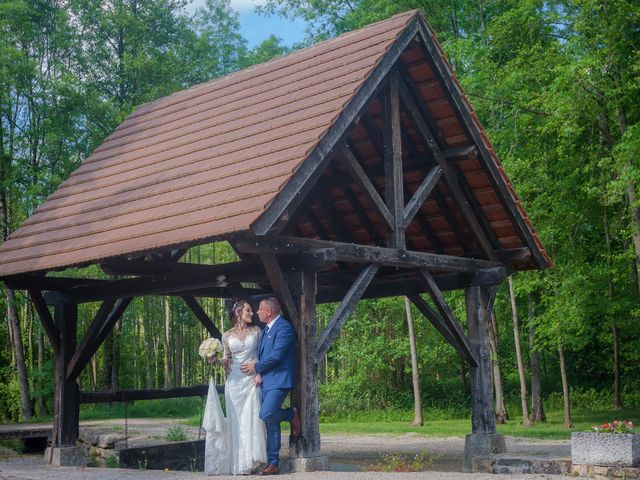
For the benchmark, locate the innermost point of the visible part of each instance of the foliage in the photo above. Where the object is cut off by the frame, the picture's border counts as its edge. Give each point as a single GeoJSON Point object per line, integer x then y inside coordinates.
{"type": "Point", "coordinates": [399, 462]}
{"type": "Point", "coordinates": [617, 426]}
{"type": "Point", "coordinates": [176, 433]}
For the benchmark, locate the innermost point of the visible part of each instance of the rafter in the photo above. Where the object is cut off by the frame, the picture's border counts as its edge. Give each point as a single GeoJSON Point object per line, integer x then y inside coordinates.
{"type": "Point", "coordinates": [421, 194]}
{"type": "Point", "coordinates": [358, 174]}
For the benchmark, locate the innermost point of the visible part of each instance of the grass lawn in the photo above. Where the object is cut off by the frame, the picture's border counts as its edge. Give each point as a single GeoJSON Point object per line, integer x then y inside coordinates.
{"type": "Point", "coordinates": [553, 428]}
{"type": "Point", "coordinates": [189, 411]}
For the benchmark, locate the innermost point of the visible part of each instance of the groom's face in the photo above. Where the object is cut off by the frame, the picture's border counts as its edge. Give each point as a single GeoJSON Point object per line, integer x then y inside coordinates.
{"type": "Point", "coordinates": [264, 312]}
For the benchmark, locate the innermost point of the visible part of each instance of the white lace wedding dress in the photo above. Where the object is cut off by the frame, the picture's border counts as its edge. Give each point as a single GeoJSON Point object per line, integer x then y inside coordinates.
{"type": "Point", "coordinates": [235, 444]}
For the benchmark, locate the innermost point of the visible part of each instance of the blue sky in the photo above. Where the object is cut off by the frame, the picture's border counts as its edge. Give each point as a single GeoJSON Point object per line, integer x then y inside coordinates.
{"type": "Point", "coordinates": [256, 28]}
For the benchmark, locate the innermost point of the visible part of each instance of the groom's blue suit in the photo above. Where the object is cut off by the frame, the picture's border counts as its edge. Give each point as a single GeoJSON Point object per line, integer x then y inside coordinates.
{"type": "Point", "coordinates": [277, 365]}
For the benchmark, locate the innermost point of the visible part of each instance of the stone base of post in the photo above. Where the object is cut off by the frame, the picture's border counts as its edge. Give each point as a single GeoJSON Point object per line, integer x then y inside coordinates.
{"type": "Point", "coordinates": [309, 464]}
{"type": "Point", "coordinates": [481, 445]}
{"type": "Point", "coordinates": [66, 456]}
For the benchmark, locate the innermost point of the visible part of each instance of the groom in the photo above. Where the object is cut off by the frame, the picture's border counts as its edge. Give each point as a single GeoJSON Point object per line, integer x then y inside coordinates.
{"type": "Point", "coordinates": [276, 363]}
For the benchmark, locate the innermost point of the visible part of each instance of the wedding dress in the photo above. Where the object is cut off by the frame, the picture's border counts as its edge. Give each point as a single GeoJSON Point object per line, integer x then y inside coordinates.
{"type": "Point", "coordinates": [235, 444]}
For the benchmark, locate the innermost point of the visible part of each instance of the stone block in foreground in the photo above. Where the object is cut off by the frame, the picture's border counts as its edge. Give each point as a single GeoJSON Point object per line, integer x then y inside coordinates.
{"type": "Point", "coordinates": [481, 445]}
{"type": "Point", "coordinates": [66, 456]}
{"type": "Point", "coordinates": [605, 449]}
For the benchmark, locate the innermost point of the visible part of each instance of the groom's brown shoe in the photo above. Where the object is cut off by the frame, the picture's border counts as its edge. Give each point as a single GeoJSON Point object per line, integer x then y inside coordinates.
{"type": "Point", "coordinates": [296, 423]}
{"type": "Point", "coordinates": [270, 470]}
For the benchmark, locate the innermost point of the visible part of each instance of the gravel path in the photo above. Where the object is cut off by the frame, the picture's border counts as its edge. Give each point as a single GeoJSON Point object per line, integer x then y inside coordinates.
{"type": "Point", "coordinates": [346, 453]}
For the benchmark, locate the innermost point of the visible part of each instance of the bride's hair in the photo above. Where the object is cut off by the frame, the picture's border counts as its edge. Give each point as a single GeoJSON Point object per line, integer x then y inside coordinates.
{"type": "Point", "coordinates": [237, 304]}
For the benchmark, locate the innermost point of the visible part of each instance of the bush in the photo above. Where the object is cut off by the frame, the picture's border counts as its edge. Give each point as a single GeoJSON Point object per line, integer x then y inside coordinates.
{"type": "Point", "coordinates": [177, 433]}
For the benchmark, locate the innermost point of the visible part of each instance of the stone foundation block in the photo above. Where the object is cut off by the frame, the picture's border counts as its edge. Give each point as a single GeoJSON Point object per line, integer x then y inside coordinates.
{"type": "Point", "coordinates": [308, 464]}
{"type": "Point", "coordinates": [606, 449]}
{"type": "Point", "coordinates": [66, 456]}
{"type": "Point", "coordinates": [481, 445]}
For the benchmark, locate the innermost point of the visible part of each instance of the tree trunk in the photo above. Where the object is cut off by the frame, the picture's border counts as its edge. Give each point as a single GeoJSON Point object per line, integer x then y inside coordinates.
{"type": "Point", "coordinates": [537, 408]}
{"type": "Point", "coordinates": [568, 422]}
{"type": "Point", "coordinates": [617, 397]}
{"type": "Point", "coordinates": [632, 201]}
{"type": "Point", "coordinates": [12, 314]}
{"type": "Point", "coordinates": [146, 326]}
{"type": "Point", "coordinates": [501, 411]}
{"type": "Point", "coordinates": [108, 361]}
{"type": "Point", "coordinates": [415, 375]}
{"type": "Point", "coordinates": [178, 354]}
{"type": "Point", "coordinates": [516, 335]}
{"type": "Point", "coordinates": [167, 349]}
{"type": "Point", "coordinates": [115, 366]}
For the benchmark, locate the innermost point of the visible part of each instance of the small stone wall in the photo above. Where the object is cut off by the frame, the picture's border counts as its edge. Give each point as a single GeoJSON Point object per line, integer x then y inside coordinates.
{"type": "Point", "coordinates": [602, 473]}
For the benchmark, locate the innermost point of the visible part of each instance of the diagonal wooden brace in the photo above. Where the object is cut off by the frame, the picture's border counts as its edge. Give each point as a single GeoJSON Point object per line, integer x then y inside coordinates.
{"type": "Point", "coordinates": [345, 308]}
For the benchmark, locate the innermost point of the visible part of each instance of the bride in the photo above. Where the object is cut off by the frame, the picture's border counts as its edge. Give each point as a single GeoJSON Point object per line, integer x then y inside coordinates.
{"type": "Point", "coordinates": [238, 444]}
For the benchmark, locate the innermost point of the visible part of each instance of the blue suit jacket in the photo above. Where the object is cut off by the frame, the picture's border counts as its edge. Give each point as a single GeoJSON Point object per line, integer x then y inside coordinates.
{"type": "Point", "coordinates": [277, 356]}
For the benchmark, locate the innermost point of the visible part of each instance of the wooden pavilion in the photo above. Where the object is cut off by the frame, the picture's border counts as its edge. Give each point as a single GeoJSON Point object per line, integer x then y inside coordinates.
{"type": "Point", "coordinates": [352, 169]}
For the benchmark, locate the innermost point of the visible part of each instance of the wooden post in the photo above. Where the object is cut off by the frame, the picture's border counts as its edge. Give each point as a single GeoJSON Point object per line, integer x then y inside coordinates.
{"type": "Point", "coordinates": [483, 418]}
{"type": "Point", "coordinates": [67, 393]}
{"type": "Point", "coordinates": [305, 450]}
{"type": "Point", "coordinates": [483, 441]}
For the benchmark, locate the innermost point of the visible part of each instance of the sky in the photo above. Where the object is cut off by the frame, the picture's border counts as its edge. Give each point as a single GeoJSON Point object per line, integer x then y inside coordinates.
{"type": "Point", "coordinates": [256, 28]}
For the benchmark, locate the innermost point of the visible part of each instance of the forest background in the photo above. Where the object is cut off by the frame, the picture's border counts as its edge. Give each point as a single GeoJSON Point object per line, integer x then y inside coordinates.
{"type": "Point", "coordinates": [555, 84]}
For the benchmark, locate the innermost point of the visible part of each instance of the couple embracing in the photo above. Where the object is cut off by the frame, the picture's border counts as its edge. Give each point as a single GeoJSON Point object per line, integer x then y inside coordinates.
{"type": "Point", "coordinates": [260, 369]}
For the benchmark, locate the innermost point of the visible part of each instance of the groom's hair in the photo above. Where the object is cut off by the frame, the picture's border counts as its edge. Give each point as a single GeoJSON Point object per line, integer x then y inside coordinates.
{"type": "Point", "coordinates": [273, 303]}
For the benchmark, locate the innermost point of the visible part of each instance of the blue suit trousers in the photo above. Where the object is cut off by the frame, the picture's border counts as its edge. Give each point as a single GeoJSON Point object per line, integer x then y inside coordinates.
{"type": "Point", "coordinates": [272, 414]}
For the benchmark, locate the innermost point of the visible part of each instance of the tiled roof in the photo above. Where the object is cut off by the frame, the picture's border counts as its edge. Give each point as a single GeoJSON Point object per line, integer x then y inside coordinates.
{"type": "Point", "coordinates": [217, 159]}
{"type": "Point", "coordinates": [200, 163]}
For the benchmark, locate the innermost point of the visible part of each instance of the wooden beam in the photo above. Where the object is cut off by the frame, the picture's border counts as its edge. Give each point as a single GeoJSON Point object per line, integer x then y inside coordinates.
{"type": "Point", "coordinates": [40, 282]}
{"type": "Point", "coordinates": [344, 310]}
{"type": "Point", "coordinates": [483, 418]}
{"type": "Point", "coordinates": [46, 319]}
{"type": "Point", "coordinates": [368, 188]}
{"type": "Point", "coordinates": [421, 195]}
{"type": "Point", "coordinates": [202, 316]}
{"type": "Point", "coordinates": [513, 255]}
{"type": "Point", "coordinates": [250, 271]}
{"type": "Point", "coordinates": [365, 254]}
{"type": "Point", "coordinates": [472, 127]}
{"type": "Point", "coordinates": [83, 353]}
{"type": "Point", "coordinates": [393, 177]}
{"type": "Point", "coordinates": [279, 285]}
{"type": "Point", "coordinates": [66, 404]}
{"type": "Point", "coordinates": [110, 396]}
{"type": "Point", "coordinates": [489, 276]}
{"type": "Point", "coordinates": [305, 394]}
{"type": "Point", "coordinates": [446, 313]}
{"type": "Point", "coordinates": [108, 314]}
{"type": "Point", "coordinates": [306, 175]}
{"type": "Point", "coordinates": [437, 322]}
{"type": "Point", "coordinates": [449, 174]}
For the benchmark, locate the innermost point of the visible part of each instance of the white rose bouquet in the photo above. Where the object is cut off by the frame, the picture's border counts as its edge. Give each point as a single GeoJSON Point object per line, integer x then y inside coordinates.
{"type": "Point", "coordinates": [210, 348]}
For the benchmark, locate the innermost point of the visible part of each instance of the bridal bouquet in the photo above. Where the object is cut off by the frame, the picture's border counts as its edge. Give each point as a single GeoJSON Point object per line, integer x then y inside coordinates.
{"type": "Point", "coordinates": [210, 347]}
